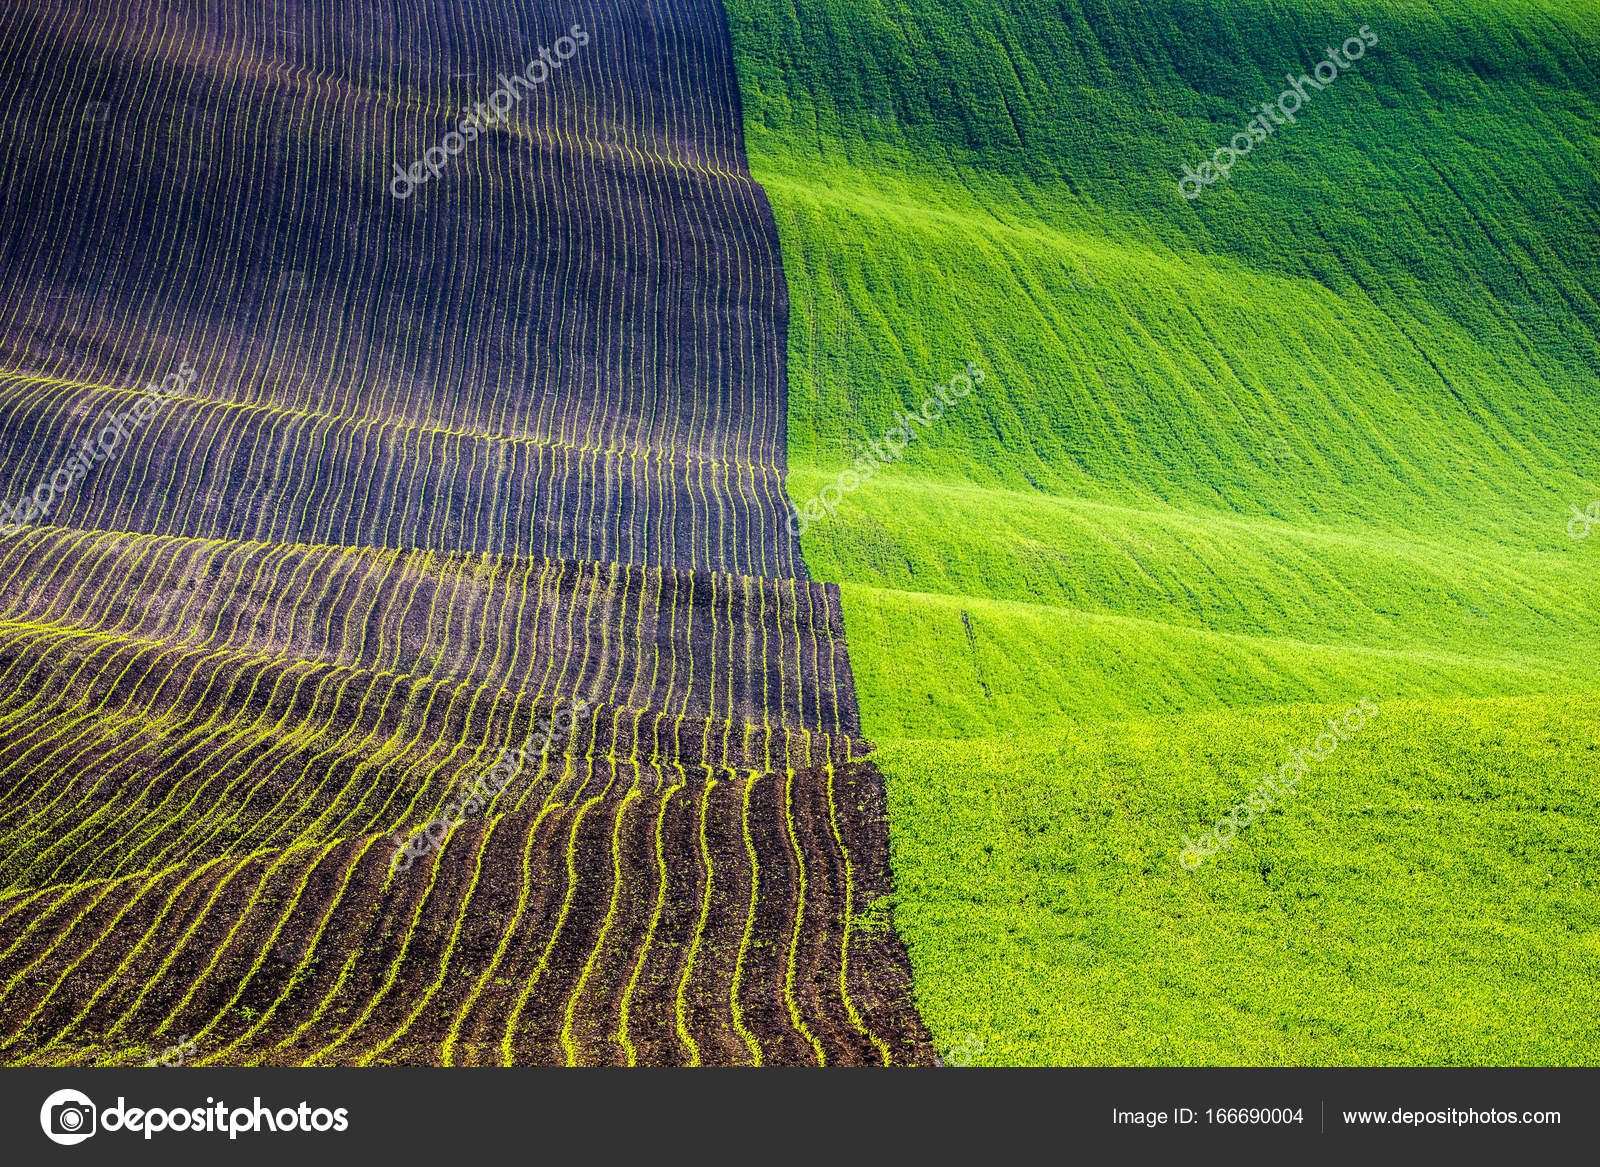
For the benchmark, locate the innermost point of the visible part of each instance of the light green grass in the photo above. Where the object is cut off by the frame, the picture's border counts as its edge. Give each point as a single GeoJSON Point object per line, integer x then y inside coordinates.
{"type": "Point", "coordinates": [1427, 896]}
{"type": "Point", "coordinates": [1314, 434]}
{"type": "Point", "coordinates": [965, 666]}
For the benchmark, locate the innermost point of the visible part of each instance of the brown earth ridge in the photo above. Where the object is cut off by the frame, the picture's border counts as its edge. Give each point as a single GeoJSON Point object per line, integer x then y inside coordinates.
{"type": "Point", "coordinates": [448, 464]}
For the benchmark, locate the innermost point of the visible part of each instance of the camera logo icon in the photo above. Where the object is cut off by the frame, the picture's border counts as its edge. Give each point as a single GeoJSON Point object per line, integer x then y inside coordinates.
{"type": "Point", "coordinates": [68, 1117]}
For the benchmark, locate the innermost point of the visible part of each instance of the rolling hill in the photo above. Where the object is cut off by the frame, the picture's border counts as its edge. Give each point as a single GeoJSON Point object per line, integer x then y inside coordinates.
{"type": "Point", "coordinates": [429, 677]}
{"type": "Point", "coordinates": [1236, 462]}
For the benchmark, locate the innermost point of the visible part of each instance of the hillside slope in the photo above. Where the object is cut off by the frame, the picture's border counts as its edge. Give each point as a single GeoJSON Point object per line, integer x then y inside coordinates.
{"type": "Point", "coordinates": [450, 455]}
{"type": "Point", "coordinates": [1311, 436]}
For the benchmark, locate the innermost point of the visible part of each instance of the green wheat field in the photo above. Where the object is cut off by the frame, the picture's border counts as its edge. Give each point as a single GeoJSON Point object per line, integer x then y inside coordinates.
{"type": "Point", "coordinates": [1237, 463]}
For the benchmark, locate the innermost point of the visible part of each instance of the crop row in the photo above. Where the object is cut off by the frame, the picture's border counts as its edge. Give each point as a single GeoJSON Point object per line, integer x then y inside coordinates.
{"type": "Point", "coordinates": [492, 955]}
{"type": "Point", "coordinates": [763, 650]}
{"type": "Point", "coordinates": [236, 754]}
{"type": "Point", "coordinates": [570, 346]}
{"type": "Point", "coordinates": [447, 465]}
{"type": "Point", "coordinates": [218, 470]}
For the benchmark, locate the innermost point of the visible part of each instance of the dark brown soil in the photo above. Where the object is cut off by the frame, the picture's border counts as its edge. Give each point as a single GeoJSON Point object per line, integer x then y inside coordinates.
{"type": "Point", "coordinates": [449, 466]}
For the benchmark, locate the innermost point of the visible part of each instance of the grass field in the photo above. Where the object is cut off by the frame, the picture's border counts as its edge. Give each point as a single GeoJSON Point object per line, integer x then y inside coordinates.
{"type": "Point", "coordinates": [1426, 896]}
{"type": "Point", "coordinates": [1311, 436]}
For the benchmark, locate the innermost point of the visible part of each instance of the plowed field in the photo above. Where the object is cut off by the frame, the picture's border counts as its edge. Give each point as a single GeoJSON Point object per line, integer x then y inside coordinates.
{"type": "Point", "coordinates": [448, 464]}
